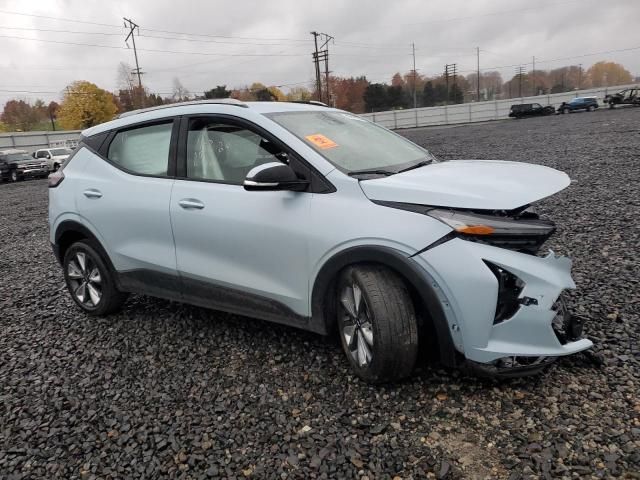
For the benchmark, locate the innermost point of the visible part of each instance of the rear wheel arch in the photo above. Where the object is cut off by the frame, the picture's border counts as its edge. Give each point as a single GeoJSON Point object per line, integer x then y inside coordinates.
{"type": "Point", "coordinates": [425, 299]}
{"type": "Point", "coordinates": [69, 232]}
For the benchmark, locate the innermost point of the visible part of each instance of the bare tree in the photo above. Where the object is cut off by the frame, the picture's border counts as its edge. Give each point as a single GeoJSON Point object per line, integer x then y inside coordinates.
{"type": "Point", "coordinates": [125, 77]}
{"type": "Point", "coordinates": [180, 93]}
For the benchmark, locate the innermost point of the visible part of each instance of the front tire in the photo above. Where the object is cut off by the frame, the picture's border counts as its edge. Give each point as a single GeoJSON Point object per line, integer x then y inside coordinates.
{"type": "Point", "coordinates": [377, 323]}
{"type": "Point", "coordinates": [89, 280]}
{"type": "Point", "coordinates": [566, 110]}
{"type": "Point", "coordinates": [14, 176]}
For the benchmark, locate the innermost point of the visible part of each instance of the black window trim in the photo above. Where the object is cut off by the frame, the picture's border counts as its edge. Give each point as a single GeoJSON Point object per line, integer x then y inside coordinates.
{"type": "Point", "coordinates": [318, 182]}
{"type": "Point", "coordinates": [171, 165]}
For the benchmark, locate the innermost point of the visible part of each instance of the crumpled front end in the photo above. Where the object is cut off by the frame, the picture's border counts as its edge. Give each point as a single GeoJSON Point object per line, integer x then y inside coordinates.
{"type": "Point", "coordinates": [504, 308]}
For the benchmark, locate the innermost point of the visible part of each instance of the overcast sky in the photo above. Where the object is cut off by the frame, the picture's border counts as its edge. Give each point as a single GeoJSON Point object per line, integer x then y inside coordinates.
{"type": "Point", "coordinates": [243, 41]}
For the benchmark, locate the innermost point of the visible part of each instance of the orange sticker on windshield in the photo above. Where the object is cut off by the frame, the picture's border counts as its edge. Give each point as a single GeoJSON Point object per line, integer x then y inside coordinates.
{"type": "Point", "coordinates": [321, 141]}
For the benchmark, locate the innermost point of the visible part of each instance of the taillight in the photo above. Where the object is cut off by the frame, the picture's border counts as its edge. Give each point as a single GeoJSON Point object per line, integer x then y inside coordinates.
{"type": "Point", "coordinates": [55, 179]}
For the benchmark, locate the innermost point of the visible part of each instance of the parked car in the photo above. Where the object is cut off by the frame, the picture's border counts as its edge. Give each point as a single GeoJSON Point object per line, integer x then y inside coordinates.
{"type": "Point", "coordinates": [316, 218]}
{"type": "Point", "coordinates": [521, 110]}
{"type": "Point", "coordinates": [628, 96]}
{"type": "Point", "coordinates": [579, 103]}
{"type": "Point", "coordinates": [53, 156]}
{"type": "Point", "coordinates": [18, 164]}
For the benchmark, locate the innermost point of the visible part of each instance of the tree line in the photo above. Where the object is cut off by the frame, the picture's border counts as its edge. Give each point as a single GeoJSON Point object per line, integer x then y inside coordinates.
{"type": "Point", "coordinates": [84, 104]}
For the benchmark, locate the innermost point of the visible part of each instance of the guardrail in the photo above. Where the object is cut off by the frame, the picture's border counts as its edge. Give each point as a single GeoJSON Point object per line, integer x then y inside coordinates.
{"type": "Point", "coordinates": [32, 141]}
{"type": "Point", "coordinates": [477, 111]}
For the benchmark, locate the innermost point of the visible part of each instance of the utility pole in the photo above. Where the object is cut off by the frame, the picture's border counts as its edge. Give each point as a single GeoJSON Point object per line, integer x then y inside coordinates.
{"type": "Point", "coordinates": [415, 75]}
{"type": "Point", "coordinates": [478, 64]}
{"type": "Point", "coordinates": [533, 81]}
{"type": "Point", "coordinates": [519, 74]}
{"type": "Point", "coordinates": [579, 76]}
{"type": "Point", "coordinates": [318, 56]}
{"type": "Point", "coordinates": [316, 61]}
{"type": "Point", "coordinates": [449, 70]}
{"type": "Point", "coordinates": [128, 23]}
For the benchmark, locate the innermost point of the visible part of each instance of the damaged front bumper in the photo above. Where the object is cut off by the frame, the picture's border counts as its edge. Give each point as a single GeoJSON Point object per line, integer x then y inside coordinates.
{"type": "Point", "coordinates": [533, 329]}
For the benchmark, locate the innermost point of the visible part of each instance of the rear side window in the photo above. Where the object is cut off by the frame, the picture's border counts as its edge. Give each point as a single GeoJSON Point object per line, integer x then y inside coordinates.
{"type": "Point", "coordinates": [143, 150]}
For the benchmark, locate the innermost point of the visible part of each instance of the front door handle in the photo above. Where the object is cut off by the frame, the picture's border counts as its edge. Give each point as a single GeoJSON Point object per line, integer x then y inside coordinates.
{"type": "Point", "coordinates": [92, 193]}
{"type": "Point", "coordinates": [191, 203]}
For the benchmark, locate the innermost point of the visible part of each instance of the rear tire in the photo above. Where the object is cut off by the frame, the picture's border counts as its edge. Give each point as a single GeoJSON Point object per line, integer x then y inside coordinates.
{"type": "Point", "coordinates": [590, 108]}
{"type": "Point", "coordinates": [90, 281]}
{"type": "Point", "coordinates": [13, 176]}
{"type": "Point", "coordinates": [377, 323]}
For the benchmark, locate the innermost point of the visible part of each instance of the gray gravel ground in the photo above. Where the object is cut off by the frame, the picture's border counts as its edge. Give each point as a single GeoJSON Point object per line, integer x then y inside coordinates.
{"type": "Point", "coordinates": [166, 390]}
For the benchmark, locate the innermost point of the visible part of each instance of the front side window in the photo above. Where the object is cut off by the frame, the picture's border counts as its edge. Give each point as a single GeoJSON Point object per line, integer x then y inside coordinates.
{"type": "Point", "coordinates": [60, 151]}
{"type": "Point", "coordinates": [352, 143]}
{"type": "Point", "coordinates": [224, 152]}
{"type": "Point", "coordinates": [142, 150]}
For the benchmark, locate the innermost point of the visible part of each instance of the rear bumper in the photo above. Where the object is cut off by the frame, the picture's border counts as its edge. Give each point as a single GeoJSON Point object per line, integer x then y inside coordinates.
{"type": "Point", "coordinates": [470, 291]}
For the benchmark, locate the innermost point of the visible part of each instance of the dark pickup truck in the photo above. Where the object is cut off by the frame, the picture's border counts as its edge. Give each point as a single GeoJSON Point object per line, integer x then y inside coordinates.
{"type": "Point", "coordinates": [17, 165]}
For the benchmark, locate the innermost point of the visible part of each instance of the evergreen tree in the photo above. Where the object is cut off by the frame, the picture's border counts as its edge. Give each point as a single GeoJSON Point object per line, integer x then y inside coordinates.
{"type": "Point", "coordinates": [428, 95]}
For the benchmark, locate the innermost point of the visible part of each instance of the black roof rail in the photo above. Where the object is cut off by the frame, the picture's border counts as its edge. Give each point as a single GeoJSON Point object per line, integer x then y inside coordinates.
{"type": "Point", "coordinates": [310, 102]}
{"type": "Point", "coordinates": [224, 101]}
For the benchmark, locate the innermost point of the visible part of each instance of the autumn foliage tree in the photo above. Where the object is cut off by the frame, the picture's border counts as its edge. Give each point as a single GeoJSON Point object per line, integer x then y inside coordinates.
{"type": "Point", "coordinates": [19, 115]}
{"type": "Point", "coordinates": [85, 105]}
{"type": "Point", "coordinates": [604, 74]}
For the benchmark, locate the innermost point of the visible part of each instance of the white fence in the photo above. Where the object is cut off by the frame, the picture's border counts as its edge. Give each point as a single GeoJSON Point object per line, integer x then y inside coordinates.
{"type": "Point", "coordinates": [478, 111]}
{"type": "Point", "coordinates": [32, 141]}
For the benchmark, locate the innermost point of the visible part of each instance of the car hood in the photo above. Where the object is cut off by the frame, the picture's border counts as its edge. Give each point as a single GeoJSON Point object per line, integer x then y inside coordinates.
{"type": "Point", "coordinates": [60, 157]}
{"type": "Point", "coordinates": [31, 161]}
{"type": "Point", "coordinates": [472, 184]}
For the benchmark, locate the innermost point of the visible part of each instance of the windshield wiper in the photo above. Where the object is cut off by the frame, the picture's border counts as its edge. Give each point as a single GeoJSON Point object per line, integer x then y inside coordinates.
{"type": "Point", "coordinates": [416, 165]}
{"type": "Point", "coordinates": [371, 172]}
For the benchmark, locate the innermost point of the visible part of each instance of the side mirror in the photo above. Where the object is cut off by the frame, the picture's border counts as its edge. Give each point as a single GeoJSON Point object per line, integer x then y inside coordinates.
{"type": "Point", "coordinates": [34, 155]}
{"type": "Point", "coordinates": [48, 157]}
{"type": "Point", "coordinates": [273, 176]}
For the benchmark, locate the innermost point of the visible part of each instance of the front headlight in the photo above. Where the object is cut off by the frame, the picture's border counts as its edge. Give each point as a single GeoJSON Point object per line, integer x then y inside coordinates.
{"type": "Point", "coordinates": [473, 224]}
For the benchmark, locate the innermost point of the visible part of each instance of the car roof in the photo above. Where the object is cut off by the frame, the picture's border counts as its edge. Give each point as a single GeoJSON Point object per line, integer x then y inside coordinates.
{"type": "Point", "coordinates": [219, 106]}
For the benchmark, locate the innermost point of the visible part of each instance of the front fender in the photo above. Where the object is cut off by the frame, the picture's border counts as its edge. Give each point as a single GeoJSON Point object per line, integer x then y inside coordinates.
{"type": "Point", "coordinates": [324, 297]}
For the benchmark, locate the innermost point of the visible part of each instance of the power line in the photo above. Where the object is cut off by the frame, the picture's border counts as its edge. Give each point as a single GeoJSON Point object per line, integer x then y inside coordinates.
{"type": "Point", "coordinates": [159, 37]}
{"type": "Point", "coordinates": [64, 19]}
{"type": "Point", "coordinates": [116, 47]}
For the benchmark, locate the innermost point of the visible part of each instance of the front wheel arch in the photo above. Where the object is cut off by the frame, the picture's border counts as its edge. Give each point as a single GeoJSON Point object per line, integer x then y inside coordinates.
{"type": "Point", "coordinates": [323, 303]}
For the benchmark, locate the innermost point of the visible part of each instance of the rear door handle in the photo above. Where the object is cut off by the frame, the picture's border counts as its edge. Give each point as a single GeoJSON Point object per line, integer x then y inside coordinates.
{"type": "Point", "coordinates": [191, 203]}
{"type": "Point", "coordinates": [92, 193]}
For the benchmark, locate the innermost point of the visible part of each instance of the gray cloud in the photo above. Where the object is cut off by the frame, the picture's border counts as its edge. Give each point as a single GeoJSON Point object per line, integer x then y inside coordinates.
{"type": "Point", "coordinates": [371, 38]}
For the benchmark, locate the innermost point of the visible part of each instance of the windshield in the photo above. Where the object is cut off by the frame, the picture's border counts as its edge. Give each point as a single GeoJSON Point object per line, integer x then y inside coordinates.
{"type": "Point", "coordinates": [18, 156]}
{"type": "Point", "coordinates": [351, 143]}
{"type": "Point", "coordinates": [60, 151]}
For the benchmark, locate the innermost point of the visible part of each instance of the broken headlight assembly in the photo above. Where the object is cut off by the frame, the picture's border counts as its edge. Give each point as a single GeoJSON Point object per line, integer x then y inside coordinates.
{"type": "Point", "coordinates": [522, 231]}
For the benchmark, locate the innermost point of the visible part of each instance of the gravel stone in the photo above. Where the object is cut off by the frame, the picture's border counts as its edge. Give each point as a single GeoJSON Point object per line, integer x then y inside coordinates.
{"type": "Point", "coordinates": [163, 390]}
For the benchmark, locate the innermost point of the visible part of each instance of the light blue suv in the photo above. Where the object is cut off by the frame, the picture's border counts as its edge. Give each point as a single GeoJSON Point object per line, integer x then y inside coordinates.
{"type": "Point", "coordinates": [316, 218]}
